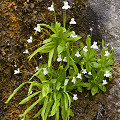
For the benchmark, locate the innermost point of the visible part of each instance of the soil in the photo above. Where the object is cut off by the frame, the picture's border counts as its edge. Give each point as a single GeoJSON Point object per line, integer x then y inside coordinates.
{"type": "Point", "coordinates": [17, 21]}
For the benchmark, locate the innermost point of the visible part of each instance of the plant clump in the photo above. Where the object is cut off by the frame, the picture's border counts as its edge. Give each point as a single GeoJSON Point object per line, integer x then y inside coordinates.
{"type": "Point", "coordinates": [78, 67]}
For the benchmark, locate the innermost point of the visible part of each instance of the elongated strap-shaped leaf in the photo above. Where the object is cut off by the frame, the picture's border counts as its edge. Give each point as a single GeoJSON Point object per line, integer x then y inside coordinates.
{"type": "Point", "coordinates": [47, 26]}
{"type": "Point", "coordinates": [94, 90]}
{"type": "Point", "coordinates": [69, 100]}
{"type": "Point", "coordinates": [61, 47]}
{"type": "Point", "coordinates": [47, 40]}
{"type": "Point", "coordinates": [35, 74]}
{"type": "Point", "coordinates": [63, 111]}
{"type": "Point", "coordinates": [50, 57]}
{"type": "Point", "coordinates": [38, 113]}
{"type": "Point", "coordinates": [29, 97]}
{"type": "Point", "coordinates": [50, 103]}
{"type": "Point", "coordinates": [28, 109]}
{"type": "Point", "coordinates": [57, 114]}
{"type": "Point", "coordinates": [44, 107]}
{"type": "Point", "coordinates": [65, 101]}
{"type": "Point", "coordinates": [71, 39]}
{"type": "Point", "coordinates": [45, 89]}
{"type": "Point", "coordinates": [44, 49]}
{"type": "Point", "coordinates": [15, 91]}
{"type": "Point", "coordinates": [34, 83]}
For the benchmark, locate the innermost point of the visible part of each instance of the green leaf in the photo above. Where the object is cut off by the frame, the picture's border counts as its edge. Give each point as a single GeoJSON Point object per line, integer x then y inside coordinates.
{"type": "Point", "coordinates": [109, 62]}
{"type": "Point", "coordinates": [66, 102]}
{"type": "Point", "coordinates": [29, 97]}
{"type": "Point", "coordinates": [57, 114]}
{"type": "Point", "coordinates": [35, 74]}
{"type": "Point", "coordinates": [44, 108]}
{"type": "Point", "coordinates": [102, 87]}
{"type": "Point", "coordinates": [50, 57]}
{"type": "Point", "coordinates": [28, 109]}
{"type": "Point", "coordinates": [47, 40]}
{"type": "Point", "coordinates": [79, 89]}
{"type": "Point", "coordinates": [15, 91]}
{"type": "Point", "coordinates": [88, 66]}
{"type": "Point", "coordinates": [58, 86]}
{"type": "Point", "coordinates": [45, 90]}
{"type": "Point", "coordinates": [38, 113]}
{"type": "Point", "coordinates": [49, 104]}
{"type": "Point", "coordinates": [47, 26]}
{"type": "Point", "coordinates": [63, 111]}
{"type": "Point", "coordinates": [94, 90]}
{"type": "Point", "coordinates": [44, 49]}
{"type": "Point", "coordinates": [71, 39]}
{"type": "Point", "coordinates": [61, 47]}
{"type": "Point", "coordinates": [96, 65]}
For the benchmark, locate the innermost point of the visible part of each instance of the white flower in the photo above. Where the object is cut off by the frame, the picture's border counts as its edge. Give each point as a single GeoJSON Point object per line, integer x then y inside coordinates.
{"type": "Point", "coordinates": [26, 51]}
{"type": "Point", "coordinates": [75, 97]}
{"type": "Point", "coordinates": [40, 57]}
{"type": "Point", "coordinates": [72, 21]}
{"type": "Point", "coordinates": [106, 53]}
{"type": "Point", "coordinates": [30, 92]}
{"type": "Point", "coordinates": [74, 80]}
{"type": "Point", "coordinates": [59, 58]}
{"type": "Point", "coordinates": [89, 73]}
{"type": "Point", "coordinates": [107, 74]}
{"type": "Point", "coordinates": [45, 72]}
{"type": "Point", "coordinates": [94, 46]}
{"type": "Point", "coordinates": [79, 76]}
{"type": "Point", "coordinates": [73, 35]}
{"type": "Point", "coordinates": [107, 44]}
{"type": "Point", "coordinates": [104, 82]}
{"type": "Point", "coordinates": [91, 29]}
{"type": "Point", "coordinates": [77, 54]}
{"type": "Point", "coordinates": [37, 28]}
{"type": "Point", "coordinates": [85, 49]}
{"type": "Point", "coordinates": [51, 8]}
{"type": "Point", "coordinates": [36, 69]}
{"type": "Point", "coordinates": [17, 71]}
{"type": "Point", "coordinates": [84, 71]}
{"type": "Point", "coordinates": [65, 59]}
{"type": "Point", "coordinates": [66, 6]}
{"type": "Point", "coordinates": [30, 40]}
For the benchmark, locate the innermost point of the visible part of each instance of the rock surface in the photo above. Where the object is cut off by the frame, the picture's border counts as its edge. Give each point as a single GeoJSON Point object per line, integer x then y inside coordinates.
{"type": "Point", "coordinates": [106, 16]}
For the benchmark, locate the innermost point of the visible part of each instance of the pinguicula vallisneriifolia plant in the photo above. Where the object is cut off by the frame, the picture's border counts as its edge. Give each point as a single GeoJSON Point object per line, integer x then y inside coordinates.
{"type": "Point", "coordinates": [79, 67]}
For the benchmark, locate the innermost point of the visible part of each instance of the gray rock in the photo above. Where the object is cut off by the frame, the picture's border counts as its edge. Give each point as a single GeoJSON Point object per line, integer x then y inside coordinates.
{"type": "Point", "coordinates": [107, 17]}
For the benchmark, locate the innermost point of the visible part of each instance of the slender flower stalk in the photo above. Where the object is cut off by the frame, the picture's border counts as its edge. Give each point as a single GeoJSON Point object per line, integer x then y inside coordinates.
{"type": "Point", "coordinates": [91, 31]}
{"type": "Point", "coordinates": [64, 17]}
